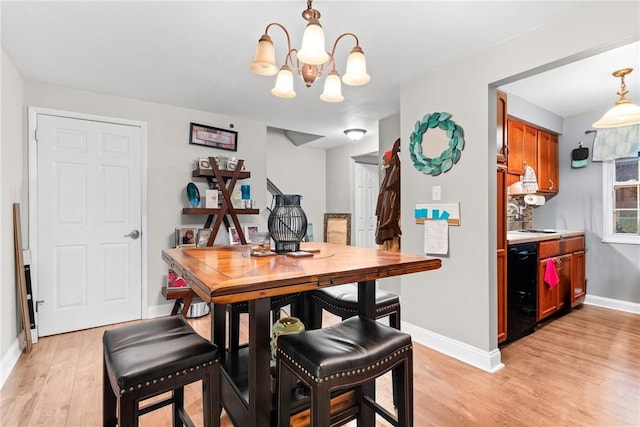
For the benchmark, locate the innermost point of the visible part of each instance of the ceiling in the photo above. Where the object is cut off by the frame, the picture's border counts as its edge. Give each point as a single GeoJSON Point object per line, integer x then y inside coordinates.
{"type": "Point", "coordinates": [196, 55]}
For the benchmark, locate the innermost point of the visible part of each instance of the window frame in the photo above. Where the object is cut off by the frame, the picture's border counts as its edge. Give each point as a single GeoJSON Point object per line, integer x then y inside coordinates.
{"type": "Point", "coordinates": [608, 195]}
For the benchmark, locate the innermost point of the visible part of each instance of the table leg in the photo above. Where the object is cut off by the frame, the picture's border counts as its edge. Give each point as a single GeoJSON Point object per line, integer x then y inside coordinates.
{"type": "Point", "coordinates": [367, 308]}
{"type": "Point", "coordinates": [219, 327]}
{"type": "Point", "coordinates": [259, 358]}
{"type": "Point", "coordinates": [187, 303]}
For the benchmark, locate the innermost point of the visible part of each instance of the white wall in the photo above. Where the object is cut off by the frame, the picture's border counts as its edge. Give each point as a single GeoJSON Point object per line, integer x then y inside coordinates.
{"type": "Point", "coordinates": [13, 185]}
{"type": "Point", "coordinates": [459, 300]}
{"type": "Point", "coordinates": [340, 165]}
{"type": "Point", "coordinates": [525, 111]}
{"type": "Point", "coordinates": [299, 170]}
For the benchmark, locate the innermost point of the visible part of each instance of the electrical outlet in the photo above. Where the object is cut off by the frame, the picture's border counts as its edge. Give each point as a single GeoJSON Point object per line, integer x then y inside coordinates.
{"type": "Point", "coordinates": [436, 192]}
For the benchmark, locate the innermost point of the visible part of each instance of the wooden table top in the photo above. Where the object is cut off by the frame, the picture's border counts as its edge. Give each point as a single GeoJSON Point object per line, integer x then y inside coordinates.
{"type": "Point", "coordinates": [227, 274]}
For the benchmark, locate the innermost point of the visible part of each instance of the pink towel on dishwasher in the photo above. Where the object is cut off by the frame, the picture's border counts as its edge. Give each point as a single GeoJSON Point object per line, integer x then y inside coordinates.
{"type": "Point", "coordinates": [550, 274]}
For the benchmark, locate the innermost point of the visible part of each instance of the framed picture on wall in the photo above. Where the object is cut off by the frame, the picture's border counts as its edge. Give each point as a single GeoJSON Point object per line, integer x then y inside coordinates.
{"type": "Point", "coordinates": [213, 137]}
{"type": "Point", "coordinates": [337, 228]}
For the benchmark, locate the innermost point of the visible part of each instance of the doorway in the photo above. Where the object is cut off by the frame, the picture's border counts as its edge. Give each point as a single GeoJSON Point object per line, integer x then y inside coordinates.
{"type": "Point", "coordinates": [366, 192]}
{"type": "Point", "coordinates": [86, 229]}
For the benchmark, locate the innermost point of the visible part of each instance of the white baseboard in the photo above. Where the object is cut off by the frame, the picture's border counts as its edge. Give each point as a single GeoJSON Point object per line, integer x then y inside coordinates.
{"type": "Point", "coordinates": [159, 310]}
{"type": "Point", "coordinates": [613, 304]}
{"type": "Point", "coordinates": [9, 360]}
{"type": "Point", "coordinates": [487, 361]}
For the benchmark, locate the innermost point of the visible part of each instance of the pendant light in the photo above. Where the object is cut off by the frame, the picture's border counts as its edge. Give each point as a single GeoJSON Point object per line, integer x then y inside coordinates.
{"type": "Point", "coordinates": [624, 113]}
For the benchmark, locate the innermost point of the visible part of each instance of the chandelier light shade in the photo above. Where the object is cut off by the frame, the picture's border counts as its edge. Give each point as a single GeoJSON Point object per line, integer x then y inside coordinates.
{"type": "Point", "coordinates": [332, 88]}
{"type": "Point", "coordinates": [355, 134]}
{"type": "Point", "coordinates": [311, 61]}
{"type": "Point", "coordinates": [284, 84]}
{"type": "Point", "coordinates": [264, 63]}
{"type": "Point", "coordinates": [624, 113]}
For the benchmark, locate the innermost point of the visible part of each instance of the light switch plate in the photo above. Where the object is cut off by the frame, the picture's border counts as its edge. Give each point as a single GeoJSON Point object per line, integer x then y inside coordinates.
{"type": "Point", "coordinates": [436, 192]}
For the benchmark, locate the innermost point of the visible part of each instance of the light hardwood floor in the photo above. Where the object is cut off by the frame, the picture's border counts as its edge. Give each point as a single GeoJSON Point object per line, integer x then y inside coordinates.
{"type": "Point", "coordinates": [581, 369]}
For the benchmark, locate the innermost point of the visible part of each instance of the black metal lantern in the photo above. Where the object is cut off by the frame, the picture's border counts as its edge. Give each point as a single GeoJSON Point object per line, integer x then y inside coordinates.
{"type": "Point", "coordinates": [287, 222]}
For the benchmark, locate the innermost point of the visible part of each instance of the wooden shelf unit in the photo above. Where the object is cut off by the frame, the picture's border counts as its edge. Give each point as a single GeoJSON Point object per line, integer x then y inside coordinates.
{"type": "Point", "coordinates": [226, 180]}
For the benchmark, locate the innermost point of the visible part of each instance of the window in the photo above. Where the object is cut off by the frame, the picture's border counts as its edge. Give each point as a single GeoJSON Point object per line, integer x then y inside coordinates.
{"type": "Point", "coordinates": [621, 200]}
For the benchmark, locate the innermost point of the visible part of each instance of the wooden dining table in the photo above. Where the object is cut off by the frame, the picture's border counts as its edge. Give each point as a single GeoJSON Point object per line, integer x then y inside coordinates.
{"type": "Point", "coordinates": [228, 274]}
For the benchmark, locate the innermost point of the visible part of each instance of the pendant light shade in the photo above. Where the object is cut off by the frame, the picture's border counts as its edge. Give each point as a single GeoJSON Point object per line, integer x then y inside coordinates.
{"type": "Point", "coordinates": [621, 115]}
{"type": "Point", "coordinates": [624, 113]}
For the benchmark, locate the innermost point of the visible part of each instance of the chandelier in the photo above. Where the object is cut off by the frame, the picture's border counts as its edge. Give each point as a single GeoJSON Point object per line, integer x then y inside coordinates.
{"type": "Point", "coordinates": [310, 62]}
{"type": "Point", "coordinates": [624, 113]}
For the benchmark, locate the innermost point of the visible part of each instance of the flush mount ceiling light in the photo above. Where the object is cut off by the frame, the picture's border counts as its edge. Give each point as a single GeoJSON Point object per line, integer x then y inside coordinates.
{"type": "Point", "coordinates": [310, 62]}
{"type": "Point", "coordinates": [355, 134]}
{"type": "Point", "coordinates": [624, 113]}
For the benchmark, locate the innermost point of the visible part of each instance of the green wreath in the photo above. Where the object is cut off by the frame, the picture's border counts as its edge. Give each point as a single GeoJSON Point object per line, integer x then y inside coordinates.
{"type": "Point", "coordinates": [449, 157]}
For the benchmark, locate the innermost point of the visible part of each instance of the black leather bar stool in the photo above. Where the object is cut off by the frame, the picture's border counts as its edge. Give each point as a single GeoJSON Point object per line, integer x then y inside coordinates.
{"type": "Point", "coordinates": [349, 354]}
{"type": "Point", "coordinates": [147, 359]}
{"type": "Point", "coordinates": [277, 303]}
{"type": "Point", "coordinates": [343, 302]}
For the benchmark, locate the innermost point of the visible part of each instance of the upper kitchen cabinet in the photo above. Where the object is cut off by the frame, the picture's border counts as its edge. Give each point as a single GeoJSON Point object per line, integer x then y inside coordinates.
{"type": "Point", "coordinates": [535, 147]}
{"type": "Point", "coordinates": [501, 130]}
{"type": "Point", "coordinates": [515, 153]}
{"type": "Point", "coordinates": [547, 173]}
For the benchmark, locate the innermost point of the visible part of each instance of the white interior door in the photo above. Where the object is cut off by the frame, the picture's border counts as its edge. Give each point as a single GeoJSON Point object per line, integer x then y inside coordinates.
{"type": "Point", "coordinates": [366, 198]}
{"type": "Point", "coordinates": [88, 214]}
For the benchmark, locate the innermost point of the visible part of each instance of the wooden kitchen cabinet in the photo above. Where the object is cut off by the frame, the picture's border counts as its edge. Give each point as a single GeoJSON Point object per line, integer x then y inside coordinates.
{"type": "Point", "coordinates": [578, 277]}
{"type": "Point", "coordinates": [568, 256]}
{"type": "Point", "coordinates": [548, 167]}
{"type": "Point", "coordinates": [533, 146]}
{"type": "Point", "coordinates": [530, 147]}
{"type": "Point", "coordinates": [515, 153]}
{"type": "Point", "coordinates": [551, 301]}
{"type": "Point", "coordinates": [502, 252]}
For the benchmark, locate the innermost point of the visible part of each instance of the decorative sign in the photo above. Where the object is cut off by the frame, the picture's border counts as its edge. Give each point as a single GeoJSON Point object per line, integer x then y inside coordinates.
{"type": "Point", "coordinates": [444, 211]}
{"type": "Point", "coordinates": [450, 156]}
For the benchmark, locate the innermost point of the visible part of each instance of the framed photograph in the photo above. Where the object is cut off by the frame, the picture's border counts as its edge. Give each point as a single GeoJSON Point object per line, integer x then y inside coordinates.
{"type": "Point", "coordinates": [250, 231]}
{"type": "Point", "coordinates": [234, 237]}
{"type": "Point", "coordinates": [213, 137]}
{"type": "Point", "coordinates": [211, 199]}
{"type": "Point", "coordinates": [203, 237]}
{"type": "Point", "coordinates": [337, 228]}
{"type": "Point", "coordinates": [186, 236]}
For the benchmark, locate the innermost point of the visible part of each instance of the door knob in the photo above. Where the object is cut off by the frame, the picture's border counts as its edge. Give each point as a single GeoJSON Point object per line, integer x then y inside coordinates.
{"type": "Point", "coordinates": [134, 234]}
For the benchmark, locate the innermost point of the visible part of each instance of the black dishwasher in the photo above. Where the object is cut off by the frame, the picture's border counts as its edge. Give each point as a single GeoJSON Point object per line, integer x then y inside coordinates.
{"type": "Point", "coordinates": [522, 290]}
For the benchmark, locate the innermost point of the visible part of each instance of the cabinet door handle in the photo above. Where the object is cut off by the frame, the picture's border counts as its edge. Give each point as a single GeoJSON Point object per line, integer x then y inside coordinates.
{"type": "Point", "coordinates": [550, 184]}
{"type": "Point", "coordinates": [558, 264]}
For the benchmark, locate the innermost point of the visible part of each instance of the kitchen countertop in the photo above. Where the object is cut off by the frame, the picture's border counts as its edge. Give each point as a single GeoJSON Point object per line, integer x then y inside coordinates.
{"type": "Point", "coordinates": [526, 237]}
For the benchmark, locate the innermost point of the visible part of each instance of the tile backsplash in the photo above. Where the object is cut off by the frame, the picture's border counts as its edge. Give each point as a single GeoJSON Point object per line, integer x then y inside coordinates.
{"type": "Point", "coordinates": [526, 219]}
